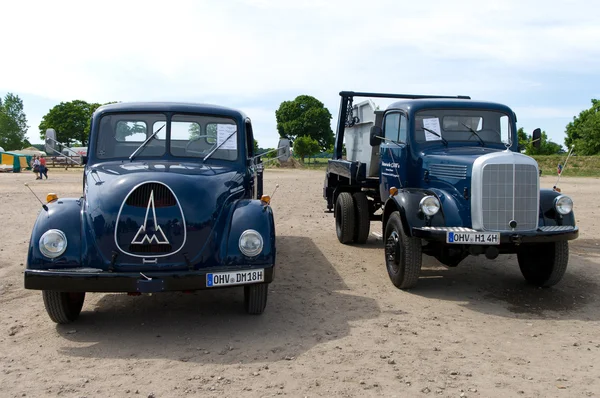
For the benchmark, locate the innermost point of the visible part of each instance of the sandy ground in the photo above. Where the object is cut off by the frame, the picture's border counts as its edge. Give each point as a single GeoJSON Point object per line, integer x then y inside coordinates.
{"type": "Point", "coordinates": [334, 324]}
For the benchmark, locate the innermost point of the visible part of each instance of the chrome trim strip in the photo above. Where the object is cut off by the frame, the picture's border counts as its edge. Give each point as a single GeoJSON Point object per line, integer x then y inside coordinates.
{"type": "Point", "coordinates": [557, 228]}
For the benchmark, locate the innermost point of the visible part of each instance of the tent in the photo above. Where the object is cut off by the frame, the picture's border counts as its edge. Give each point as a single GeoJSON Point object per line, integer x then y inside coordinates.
{"type": "Point", "coordinates": [18, 161]}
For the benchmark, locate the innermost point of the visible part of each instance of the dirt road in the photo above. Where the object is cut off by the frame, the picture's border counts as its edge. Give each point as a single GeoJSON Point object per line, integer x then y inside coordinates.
{"type": "Point", "coordinates": [334, 324]}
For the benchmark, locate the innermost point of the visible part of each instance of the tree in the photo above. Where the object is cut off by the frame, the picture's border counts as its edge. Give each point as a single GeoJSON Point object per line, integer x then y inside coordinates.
{"type": "Point", "coordinates": [13, 123]}
{"type": "Point", "coordinates": [305, 116]}
{"type": "Point", "coordinates": [71, 120]}
{"type": "Point", "coordinates": [523, 139]}
{"type": "Point", "coordinates": [584, 131]}
{"type": "Point", "coordinates": [305, 146]}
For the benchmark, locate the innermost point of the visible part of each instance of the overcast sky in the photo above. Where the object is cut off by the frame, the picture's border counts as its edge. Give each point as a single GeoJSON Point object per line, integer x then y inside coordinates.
{"type": "Point", "coordinates": [542, 58]}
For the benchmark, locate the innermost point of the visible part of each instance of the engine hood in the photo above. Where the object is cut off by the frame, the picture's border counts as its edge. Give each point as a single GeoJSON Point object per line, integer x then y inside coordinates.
{"type": "Point", "coordinates": [143, 213]}
{"type": "Point", "coordinates": [456, 155]}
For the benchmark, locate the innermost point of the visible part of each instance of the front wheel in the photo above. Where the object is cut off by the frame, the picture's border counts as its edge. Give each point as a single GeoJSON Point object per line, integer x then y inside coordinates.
{"type": "Point", "coordinates": [63, 307]}
{"type": "Point", "coordinates": [403, 255]}
{"type": "Point", "coordinates": [255, 298]}
{"type": "Point", "coordinates": [544, 264]}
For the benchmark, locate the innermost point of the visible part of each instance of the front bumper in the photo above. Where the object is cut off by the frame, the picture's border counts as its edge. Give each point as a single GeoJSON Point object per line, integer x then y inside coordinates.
{"type": "Point", "coordinates": [128, 282]}
{"type": "Point", "coordinates": [541, 235]}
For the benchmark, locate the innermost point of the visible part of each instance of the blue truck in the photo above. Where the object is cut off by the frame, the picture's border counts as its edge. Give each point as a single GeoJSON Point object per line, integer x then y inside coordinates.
{"type": "Point", "coordinates": [445, 176]}
{"type": "Point", "coordinates": [172, 201]}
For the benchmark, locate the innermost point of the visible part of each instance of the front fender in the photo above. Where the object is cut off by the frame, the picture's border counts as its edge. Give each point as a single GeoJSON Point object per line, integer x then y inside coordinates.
{"type": "Point", "coordinates": [251, 214]}
{"type": "Point", "coordinates": [406, 201]}
{"type": "Point", "coordinates": [65, 215]}
{"type": "Point", "coordinates": [548, 214]}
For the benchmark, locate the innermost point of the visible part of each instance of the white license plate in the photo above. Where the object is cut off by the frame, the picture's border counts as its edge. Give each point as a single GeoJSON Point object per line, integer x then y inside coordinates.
{"type": "Point", "coordinates": [473, 238]}
{"type": "Point", "coordinates": [235, 278]}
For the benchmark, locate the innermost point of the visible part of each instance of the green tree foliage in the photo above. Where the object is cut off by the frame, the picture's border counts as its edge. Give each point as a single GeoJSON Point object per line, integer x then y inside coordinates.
{"type": "Point", "coordinates": [305, 146]}
{"type": "Point", "coordinates": [71, 120]}
{"type": "Point", "coordinates": [584, 131]}
{"type": "Point", "coordinates": [13, 123]}
{"type": "Point", "coordinates": [523, 139]}
{"type": "Point", "coordinates": [305, 116]}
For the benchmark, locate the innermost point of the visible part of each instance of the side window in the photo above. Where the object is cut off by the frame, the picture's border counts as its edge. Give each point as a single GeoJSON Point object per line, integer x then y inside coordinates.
{"type": "Point", "coordinates": [504, 129]}
{"type": "Point", "coordinates": [403, 129]}
{"type": "Point", "coordinates": [391, 126]}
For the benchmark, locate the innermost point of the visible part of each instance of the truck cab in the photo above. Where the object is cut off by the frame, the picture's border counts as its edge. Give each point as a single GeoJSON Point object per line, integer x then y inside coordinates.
{"type": "Point", "coordinates": [445, 177]}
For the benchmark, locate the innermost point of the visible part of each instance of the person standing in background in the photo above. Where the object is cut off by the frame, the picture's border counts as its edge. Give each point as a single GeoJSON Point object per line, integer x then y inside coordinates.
{"type": "Point", "coordinates": [43, 168]}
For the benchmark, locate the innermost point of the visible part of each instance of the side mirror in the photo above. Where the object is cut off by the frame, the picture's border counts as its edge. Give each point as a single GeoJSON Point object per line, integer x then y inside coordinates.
{"type": "Point", "coordinates": [536, 138]}
{"type": "Point", "coordinates": [283, 149]}
{"type": "Point", "coordinates": [376, 132]}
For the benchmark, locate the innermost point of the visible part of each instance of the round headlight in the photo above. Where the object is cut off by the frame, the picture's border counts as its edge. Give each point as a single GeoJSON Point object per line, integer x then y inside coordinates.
{"type": "Point", "coordinates": [563, 204]}
{"type": "Point", "coordinates": [429, 205]}
{"type": "Point", "coordinates": [251, 243]}
{"type": "Point", "coordinates": [53, 243]}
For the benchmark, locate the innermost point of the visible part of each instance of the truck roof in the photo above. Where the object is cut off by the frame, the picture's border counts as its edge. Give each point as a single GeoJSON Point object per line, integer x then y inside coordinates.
{"type": "Point", "coordinates": [184, 107]}
{"type": "Point", "coordinates": [415, 105]}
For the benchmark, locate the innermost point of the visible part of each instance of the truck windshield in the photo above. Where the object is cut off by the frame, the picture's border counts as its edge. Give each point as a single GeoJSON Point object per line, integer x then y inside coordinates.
{"type": "Point", "coordinates": [188, 136]}
{"type": "Point", "coordinates": [479, 126]}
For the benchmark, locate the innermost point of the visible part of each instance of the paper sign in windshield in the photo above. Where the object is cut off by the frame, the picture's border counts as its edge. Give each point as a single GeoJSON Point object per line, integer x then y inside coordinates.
{"type": "Point", "coordinates": [432, 124]}
{"type": "Point", "coordinates": [224, 131]}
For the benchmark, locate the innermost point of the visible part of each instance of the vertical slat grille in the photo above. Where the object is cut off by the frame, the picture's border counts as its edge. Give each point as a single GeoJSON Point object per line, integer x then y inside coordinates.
{"type": "Point", "coordinates": [162, 196]}
{"type": "Point", "coordinates": [509, 193]}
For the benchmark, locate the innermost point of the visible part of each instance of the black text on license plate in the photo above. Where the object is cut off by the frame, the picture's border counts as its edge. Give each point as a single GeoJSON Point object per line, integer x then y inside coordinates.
{"type": "Point", "coordinates": [235, 278]}
{"type": "Point", "coordinates": [473, 238]}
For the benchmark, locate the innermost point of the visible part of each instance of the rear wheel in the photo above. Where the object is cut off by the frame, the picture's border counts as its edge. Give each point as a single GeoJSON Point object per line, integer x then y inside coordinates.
{"type": "Point", "coordinates": [362, 217]}
{"type": "Point", "coordinates": [63, 307]}
{"type": "Point", "coordinates": [544, 264]}
{"type": "Point", "coordinates": [344, 218]}
{"type": "Point", "coordinates": [255, 298]}
{"type": "Point", "coordinates": [403, 254]}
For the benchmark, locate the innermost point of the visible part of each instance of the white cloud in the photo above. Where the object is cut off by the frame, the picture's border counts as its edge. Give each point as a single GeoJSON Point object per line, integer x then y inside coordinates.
{"type": "Point", "coordinates": [249, 50]}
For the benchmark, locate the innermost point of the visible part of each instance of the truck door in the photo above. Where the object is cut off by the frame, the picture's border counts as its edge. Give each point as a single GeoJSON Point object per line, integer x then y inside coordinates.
{"type": "Point", "coordinates": [393, 155]}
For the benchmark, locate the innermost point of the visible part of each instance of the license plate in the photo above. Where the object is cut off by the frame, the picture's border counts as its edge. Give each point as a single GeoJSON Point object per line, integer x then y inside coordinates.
{"type": "Point", "coordinates": [235, 278]}
{"type": "Point", "coordinates": [473, 238]}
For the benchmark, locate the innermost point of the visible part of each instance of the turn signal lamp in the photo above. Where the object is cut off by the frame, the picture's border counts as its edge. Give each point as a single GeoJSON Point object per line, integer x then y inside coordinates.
{"type": "Point", "coordinates": [51, 197]}
{"type": "Point", "coordinates": [266, 199]}
{"type": "Point", "coordinates": [393, 191]}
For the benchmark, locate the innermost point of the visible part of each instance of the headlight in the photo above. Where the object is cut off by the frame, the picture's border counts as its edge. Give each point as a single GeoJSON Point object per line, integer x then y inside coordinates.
{"type": "Point", "coordinates": [563, 204]}
{"type": "Point", "coordinates": [429, 205]}
{"type": "Point", "coordinates": [53, 243]}
{"type": "Point", "coordinates": [251, 243]}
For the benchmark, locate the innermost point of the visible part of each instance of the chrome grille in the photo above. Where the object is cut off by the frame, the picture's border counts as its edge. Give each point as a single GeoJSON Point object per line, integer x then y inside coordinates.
{"type": "Point", "coordinates": [163, 197]}
{"type": "Point", "coordinates": [448, 171]}
{"type": "Point", "coordinates": [510, 192]}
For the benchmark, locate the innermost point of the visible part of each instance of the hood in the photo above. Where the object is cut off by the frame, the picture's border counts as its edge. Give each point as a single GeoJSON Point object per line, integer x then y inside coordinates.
{"type": "Point", "coordinates": [141, 213]}
{"type": "Point", "coordinates": [461, 155]}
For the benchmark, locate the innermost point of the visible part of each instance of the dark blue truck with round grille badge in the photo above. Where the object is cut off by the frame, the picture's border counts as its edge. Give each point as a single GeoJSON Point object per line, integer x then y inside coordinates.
{"type": "Point", "coordinates": [172, 201]}
{"type": "Point", "coordinates": [446, 178]}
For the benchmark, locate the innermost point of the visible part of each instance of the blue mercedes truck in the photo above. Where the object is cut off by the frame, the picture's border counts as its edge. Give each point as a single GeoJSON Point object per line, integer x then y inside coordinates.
{"type": "Point", "coordinates": [445, 176]}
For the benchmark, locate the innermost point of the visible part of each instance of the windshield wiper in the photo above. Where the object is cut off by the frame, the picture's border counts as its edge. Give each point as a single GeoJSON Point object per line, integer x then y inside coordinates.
{"type": "Point", "coordinates": [474, 132]}
{"type": "Point", "coordinates": [434, 133]}
{"type": "Point", "coordinates": [218, 146]}
{"type": "Point", "coordinates": [145, 142]}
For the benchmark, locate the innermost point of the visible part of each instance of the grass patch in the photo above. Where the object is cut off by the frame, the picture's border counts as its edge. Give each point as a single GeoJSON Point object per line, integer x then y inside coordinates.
{"type": "Point", "coordinates": [578, 166]}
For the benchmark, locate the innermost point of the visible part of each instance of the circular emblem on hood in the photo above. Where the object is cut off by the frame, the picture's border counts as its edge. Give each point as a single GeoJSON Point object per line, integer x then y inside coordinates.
{"type": "Point", "coordinates": [150, 222]}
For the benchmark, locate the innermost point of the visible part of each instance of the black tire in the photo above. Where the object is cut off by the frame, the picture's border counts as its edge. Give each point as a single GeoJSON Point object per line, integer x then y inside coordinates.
{"type": "Point", "coordinates": [344, 218]}
{"type": "Point", "coordinates": [255, 298]}
{"type": "Point", "coordinates": [403, 255]}
{"type": "Point", "coordinates": [63, 307]}
{"type": "Point", "coordinates": [362, 217]}
{"type": "Point", "coordinates": [544, 264]}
